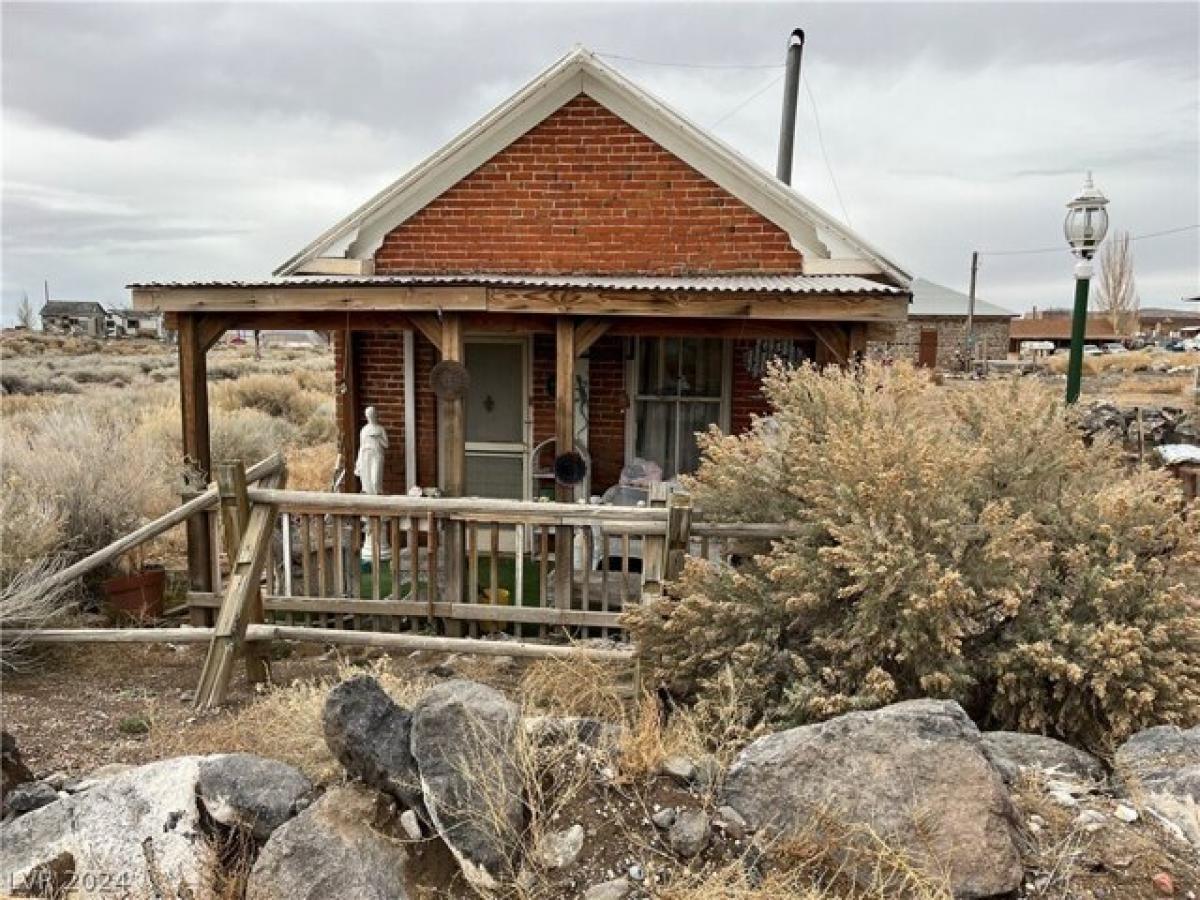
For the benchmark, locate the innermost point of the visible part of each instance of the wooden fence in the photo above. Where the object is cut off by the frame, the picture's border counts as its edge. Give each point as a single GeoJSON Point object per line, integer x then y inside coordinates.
{"type": "Point", "coordinates": [467, 567]}
{"type": "Point", "coordinates": [435, 574]}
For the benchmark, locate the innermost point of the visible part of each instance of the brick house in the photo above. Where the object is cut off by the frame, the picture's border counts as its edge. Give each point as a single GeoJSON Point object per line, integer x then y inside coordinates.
{"type": "Point", "coordinates": [612, 277]}
{"type": "Point", "coordinates": [936, 331]}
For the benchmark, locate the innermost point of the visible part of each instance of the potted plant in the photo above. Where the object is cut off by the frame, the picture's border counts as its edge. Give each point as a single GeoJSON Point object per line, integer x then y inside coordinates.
{"type": "Point", "coordinates": [135, 595]}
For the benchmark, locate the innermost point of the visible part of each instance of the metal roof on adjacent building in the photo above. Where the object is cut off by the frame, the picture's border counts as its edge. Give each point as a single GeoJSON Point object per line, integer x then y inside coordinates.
{"type": "Point", "coordinates": [929, 299]}
{"type": "Point", "coordinates": [771, 284]}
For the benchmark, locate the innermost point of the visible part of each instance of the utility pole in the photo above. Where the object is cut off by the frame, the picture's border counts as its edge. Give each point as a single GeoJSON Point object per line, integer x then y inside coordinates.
{"type": "Point", "coordinates": [971, 309]}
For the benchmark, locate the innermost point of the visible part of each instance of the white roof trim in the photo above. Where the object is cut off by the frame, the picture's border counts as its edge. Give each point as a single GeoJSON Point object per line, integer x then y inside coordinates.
{"type": "Point", "coordinates": [827, 246]}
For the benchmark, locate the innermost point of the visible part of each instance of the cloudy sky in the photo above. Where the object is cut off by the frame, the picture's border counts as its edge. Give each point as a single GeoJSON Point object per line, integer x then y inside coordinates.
{"type": "Point", "coordinates": [146, 142]}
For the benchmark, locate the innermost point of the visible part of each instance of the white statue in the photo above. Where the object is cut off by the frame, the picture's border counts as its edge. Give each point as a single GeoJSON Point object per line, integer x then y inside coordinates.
{"type": "Point", "coordinates": [372, 448]}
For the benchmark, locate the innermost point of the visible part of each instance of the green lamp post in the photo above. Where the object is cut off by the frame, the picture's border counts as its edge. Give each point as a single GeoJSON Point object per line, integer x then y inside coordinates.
{"type": "Point", "coordinates": [1085, 227]}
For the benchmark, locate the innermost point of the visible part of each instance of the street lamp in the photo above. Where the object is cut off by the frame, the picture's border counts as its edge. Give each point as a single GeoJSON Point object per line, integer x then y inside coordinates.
{"type": "Point", "coordinates": [1085, 227]}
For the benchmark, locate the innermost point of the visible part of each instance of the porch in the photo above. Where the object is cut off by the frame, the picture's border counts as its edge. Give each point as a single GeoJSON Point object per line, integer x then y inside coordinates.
{"type": "Point", "coordinates": [451, 554]}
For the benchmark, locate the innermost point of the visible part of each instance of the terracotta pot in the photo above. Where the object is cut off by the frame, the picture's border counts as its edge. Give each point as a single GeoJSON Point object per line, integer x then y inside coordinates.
{"type": "Point", "coordinates": [135, 598]}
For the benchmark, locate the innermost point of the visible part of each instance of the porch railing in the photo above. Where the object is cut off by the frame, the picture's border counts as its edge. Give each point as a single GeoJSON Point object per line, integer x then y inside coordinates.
{"type": "Point", "coordinates": [472, 566]}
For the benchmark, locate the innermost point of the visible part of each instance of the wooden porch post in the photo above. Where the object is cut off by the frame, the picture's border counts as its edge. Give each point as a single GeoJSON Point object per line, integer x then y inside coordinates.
{"type": "Point", "coordinates": [564, 442]}
{"type": "Point", "coordinates": [349, 410]}
{"type": "Point", "coordinates": [454, 469]}
{"type": "Point", "coordinates": [454, 415]}
{"type": "Point", "coordinates": [193, 404]}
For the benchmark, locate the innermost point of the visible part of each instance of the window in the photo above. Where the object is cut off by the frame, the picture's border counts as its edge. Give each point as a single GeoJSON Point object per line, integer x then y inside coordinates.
{"type": "Point", "coordinates": [680, 388]}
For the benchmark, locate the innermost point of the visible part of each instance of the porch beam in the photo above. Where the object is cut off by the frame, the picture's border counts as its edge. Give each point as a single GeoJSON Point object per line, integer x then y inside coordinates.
{"type": "Point", "coordinates": [703, 304]}
{"type": "Point", "coordinates": [429, 326]}
{"type": "Point", "coordinates": [587, 332]}
{"type": "Point", "coordinates": [832, 345]}
{"type": "Point", "coordinates": [366, 298]}
{"type": "Point", "coordinates": [307, 297]}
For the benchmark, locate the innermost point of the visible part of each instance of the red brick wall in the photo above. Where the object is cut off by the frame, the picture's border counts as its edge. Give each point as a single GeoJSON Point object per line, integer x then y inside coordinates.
{"type": "Point", "coordinates": [379, 358]}
{"type": "Point", "coordinates": [606, 411]}
{"type": "Point", "coordinates": [379, 362]}
{"type": "Point", "coordinates": [584, 191]}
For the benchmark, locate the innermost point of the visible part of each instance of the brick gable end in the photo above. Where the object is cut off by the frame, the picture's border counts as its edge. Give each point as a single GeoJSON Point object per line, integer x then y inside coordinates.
{"type": "Point", "coordinates": [585, 192]}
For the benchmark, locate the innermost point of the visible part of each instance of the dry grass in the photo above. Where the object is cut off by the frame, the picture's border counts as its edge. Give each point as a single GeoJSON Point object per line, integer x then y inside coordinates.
{"type": "Point", "coordinates": [283, 723]}
{"type": "Point", "coordinates": [1173, 385]}
{"type": "Point", "coordinates": [827, 860]}
{"type": "Point", "coordinates": [1135, 361]}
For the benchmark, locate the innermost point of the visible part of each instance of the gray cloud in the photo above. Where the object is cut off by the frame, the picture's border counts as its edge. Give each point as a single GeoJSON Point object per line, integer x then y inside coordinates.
{"type": "Point", "coordinates": [166, 140]}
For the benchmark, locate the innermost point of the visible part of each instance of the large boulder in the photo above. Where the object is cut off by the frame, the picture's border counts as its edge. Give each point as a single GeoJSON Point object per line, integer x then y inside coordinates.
{"type": "Point", "coordinates": [13, 770]}
{"type": "Point", "coordinates": [465, 742]}
{"type": "Point", "coordinates": [914, 772]}
{"type": "Point", "coordinates": [369, 734]}
{"type": "Point", "coordinates": [1159, 768]}
{"type": "Point", "coordinates": [148, 823]}
{"type": "Point", "coordinates": [144, 824]}
{"type": "Point", "coordinates": [1013, 752]}
{"type": "Point", "coordinates": [250, 792]}
{"type": "Point", "coordinates": [331, 851]}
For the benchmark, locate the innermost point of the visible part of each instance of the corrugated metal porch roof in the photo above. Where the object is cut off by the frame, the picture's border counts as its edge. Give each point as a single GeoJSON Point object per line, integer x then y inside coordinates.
{"type": "Point", "coordinates": [779, 284]}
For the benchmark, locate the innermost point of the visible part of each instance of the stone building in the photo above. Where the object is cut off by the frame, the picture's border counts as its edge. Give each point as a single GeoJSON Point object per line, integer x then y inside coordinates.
{"type": "Point", "coordinates": [936, 331]}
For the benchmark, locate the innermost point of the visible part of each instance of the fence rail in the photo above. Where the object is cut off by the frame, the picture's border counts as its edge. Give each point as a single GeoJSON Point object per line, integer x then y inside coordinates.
{"type": "Point", "coordinates": [413, 573]}
{"type": "Point", "coordinates": [473, 566]}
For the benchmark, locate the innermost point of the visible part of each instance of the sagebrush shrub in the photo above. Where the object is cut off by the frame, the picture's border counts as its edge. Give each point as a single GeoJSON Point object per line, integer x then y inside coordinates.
{"type": "Point", "coordinates": [952, 542]}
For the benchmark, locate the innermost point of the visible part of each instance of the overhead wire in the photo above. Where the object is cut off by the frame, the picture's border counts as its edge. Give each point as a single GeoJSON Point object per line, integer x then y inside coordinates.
{"type": "Point", "coordinates": [1063, 248]}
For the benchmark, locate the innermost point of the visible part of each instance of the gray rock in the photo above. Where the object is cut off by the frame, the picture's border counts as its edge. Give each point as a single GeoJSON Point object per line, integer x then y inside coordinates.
{"type": "Point", "coordinates": [369, 734]}
{"type": "Point", "coordinates": [464, 742]}
{"type": "Point", "coordinates": [617, 889]}
{"type": "Point", "coordinates": [411, 825]}
{"type": "Point", "coordinates": [250, 792]}
{"type": "Point", "coordinates": [914, 772]}
{"type": "Point", "coordinates": [1090, 820]}
{"type": "Point", "coordinates": [28, 797]}
{"type": "Point", "coordinates": [150, 811]}
{"type": "Point", "coordinates": [730, 821]}
{"type": "Point", "coordinates": [329, 852]}
{"type": "Point", "coordinates": [1063, 798]}
{"type": "Point", "coordinates": [680, 768]}
{"type": "Point", "coordinates": [13, 770]}
{"type": "Point", "coordinates": [1125, 813]}
{"type": "Point", "coordinates": [1159, 768]}
{"type": "Point", "coordinates": [708, 771]}
{"type": "Point", "coordinates": [558, 849]}
{"type": "Point", "coordinates": [689, 834]}
{"type": "Point", "coordinates": [93, 778]}
{"type": "Point", "coordinates": [1011, 752]}
{"type": "Point", "coordinates": [664, 818]}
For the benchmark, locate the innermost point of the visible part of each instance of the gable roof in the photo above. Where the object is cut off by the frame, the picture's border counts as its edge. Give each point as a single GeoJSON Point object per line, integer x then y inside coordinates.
{"type": "Point", "coordinates": [827, 246]}
{"type": "Point", "coordinates": [930, 299]}
{"type": "Point", "coordinates": [72, 308]}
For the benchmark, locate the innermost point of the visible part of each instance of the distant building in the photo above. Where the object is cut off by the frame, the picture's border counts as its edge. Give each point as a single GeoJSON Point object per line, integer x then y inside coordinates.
{"type": "Point", "coordinates": [292, 339]}
{"type": "Point", "coordinates": [1054, 326]}
{"type": "Point", "coordinates": [85, 318]}
{"type": "Point", "coordinates": [936, 331]}
{"type": "Point", "coordinates": [1161, 321]}
{"type": "Point", "coordinates": [141, 323]}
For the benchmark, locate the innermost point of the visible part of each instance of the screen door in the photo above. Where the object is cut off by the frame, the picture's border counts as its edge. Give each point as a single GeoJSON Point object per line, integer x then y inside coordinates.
{"type": "Point", "coordinates": [496, 419]}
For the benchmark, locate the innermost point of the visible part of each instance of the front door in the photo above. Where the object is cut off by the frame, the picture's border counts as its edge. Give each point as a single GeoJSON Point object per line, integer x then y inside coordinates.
{"type": "Point", "coordinates": [496, 404]}
{"type": "Point", "coordinates": [927, 351]}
